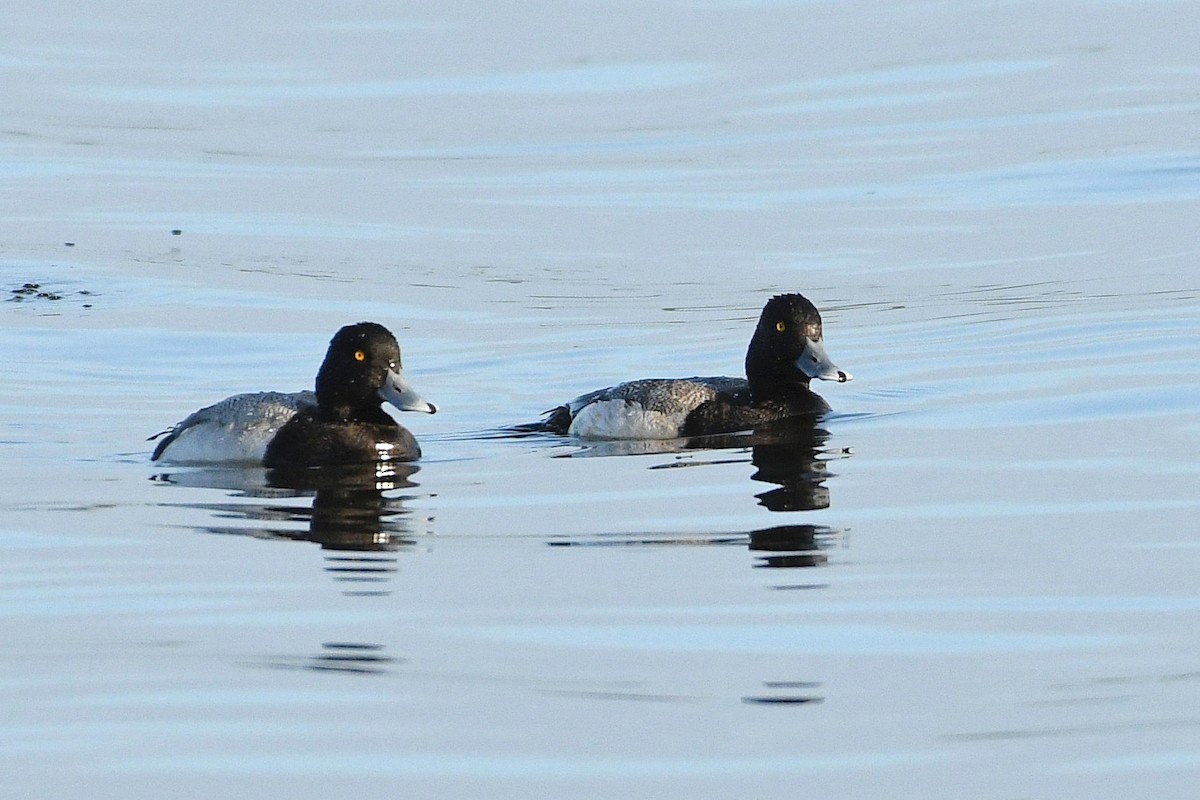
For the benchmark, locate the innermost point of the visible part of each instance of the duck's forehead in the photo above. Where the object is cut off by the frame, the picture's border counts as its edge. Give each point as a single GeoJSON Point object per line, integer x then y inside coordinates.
{"type": "Point", "coordinates": [375, 340]}
{"type": "Point", "coordinates": [387, 349]}
{"type": "Point", "coordinates": [807, 319]}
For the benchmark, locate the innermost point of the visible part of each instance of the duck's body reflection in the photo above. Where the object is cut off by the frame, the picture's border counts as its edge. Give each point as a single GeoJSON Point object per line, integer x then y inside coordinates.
{"type": "Point", "coordinates": [792, 545]}
{"type": "Point", "coordinates": [792, 454]}
{"type": "Point", "coordinates": [353, 514]}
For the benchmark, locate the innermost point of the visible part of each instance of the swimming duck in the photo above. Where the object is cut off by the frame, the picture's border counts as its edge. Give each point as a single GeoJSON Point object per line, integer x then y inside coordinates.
{"type": "Point", "coordinates": [342, 422]}
{"type": "Point", "coordinates": [785, 353]}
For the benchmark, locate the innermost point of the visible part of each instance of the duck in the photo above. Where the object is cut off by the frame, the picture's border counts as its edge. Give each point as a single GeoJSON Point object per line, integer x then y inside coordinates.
{"type": "Point", "coordinates": [341, 422]}
{"type": "Point", "coordinates": [785, 354]}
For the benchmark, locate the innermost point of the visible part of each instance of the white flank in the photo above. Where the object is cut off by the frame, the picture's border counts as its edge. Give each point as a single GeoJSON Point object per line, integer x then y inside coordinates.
{"type": "Point", "coordinates": [235, 430]}
{"type": "Point", "coordinates": [621, 419]}
{"type": "Point", "coordinates": [214, 442]}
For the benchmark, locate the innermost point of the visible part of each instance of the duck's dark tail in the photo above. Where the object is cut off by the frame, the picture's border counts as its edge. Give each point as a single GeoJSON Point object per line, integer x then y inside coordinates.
{"type": "Point", "coordinates": [557, 420]}
{"type": "Point", "coordinates": [170, 433]}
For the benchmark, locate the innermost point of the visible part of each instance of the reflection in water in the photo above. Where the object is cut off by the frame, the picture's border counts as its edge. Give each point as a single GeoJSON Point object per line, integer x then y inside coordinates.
{"type": "Point", "coordinates": [354, 658]}
{"type": "Point", "coordinates": [786, 693]}
{"type": "Point", "coordinates": [792, 545]}
{"type": "Point", "coordinates": [792, 454]}
{"type": "Point", "coordinates": [351, 517]}
{"type": "Point", "coordinates": [789, 545]}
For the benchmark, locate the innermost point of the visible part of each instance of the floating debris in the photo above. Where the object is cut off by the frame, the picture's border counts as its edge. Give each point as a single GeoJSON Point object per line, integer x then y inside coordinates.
{"type": "Point", "coordinates": [35, 291]}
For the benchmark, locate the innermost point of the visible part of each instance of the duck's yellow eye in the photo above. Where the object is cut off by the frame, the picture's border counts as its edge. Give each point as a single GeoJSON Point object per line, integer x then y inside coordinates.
{"type": "Point", "coordinates": [359, 355]}
{"type": "Point", "coordinates": [781, 326]}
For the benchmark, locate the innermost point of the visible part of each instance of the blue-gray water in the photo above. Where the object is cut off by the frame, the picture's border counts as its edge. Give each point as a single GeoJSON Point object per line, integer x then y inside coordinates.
{"type": "Point", "coordinates": [977, 578]}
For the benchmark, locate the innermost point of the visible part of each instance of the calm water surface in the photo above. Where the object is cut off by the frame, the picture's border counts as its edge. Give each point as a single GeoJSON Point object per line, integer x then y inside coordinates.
{"type": "Point", "coordinates": [976, 578]}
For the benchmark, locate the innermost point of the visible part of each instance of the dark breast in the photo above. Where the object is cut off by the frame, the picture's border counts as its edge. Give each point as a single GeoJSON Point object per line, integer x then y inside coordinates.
{"type": "Point", "coordinates": [308, 442]}
{"type": "Point", "coordinates": [733, 411]}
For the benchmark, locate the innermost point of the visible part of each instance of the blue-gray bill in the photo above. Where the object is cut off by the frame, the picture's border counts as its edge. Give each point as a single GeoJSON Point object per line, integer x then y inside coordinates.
{"type": "Point", "coordinates": [397, 391]}
{"type": "Point", "coordinates": [815, 363]}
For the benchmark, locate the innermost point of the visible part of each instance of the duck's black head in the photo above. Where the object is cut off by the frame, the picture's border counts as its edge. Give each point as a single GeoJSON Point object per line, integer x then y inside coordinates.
{"type": "Point", "coordinates": [362, 369]}
{"type": "Point", "coordinates": [787, 350]}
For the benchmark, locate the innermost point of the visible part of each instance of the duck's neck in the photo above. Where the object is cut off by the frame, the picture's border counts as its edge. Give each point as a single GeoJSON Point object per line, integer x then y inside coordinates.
{"type": "Point", "coordinates": [772, 376]}
{"type": "Point", "coordinates": [368, 411]}
{"type": "Point", "coordinates": [342, 398]}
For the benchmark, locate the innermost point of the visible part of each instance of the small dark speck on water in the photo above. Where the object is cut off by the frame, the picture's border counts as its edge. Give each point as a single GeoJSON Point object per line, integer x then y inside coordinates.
{"type": "Point", "coordinates": [176, 232]}
{"type": "Point", "coordinates": [69, 244]}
